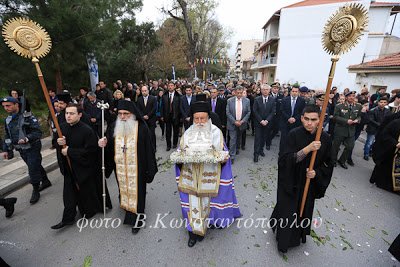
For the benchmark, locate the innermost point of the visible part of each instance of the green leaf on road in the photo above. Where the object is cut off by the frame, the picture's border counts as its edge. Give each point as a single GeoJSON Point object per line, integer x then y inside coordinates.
{"type": "Point", "coordinates": [368, 233]}
{"type": "Point", "coordinates": [245, 185]}
{"type": "Point", "coordinates": [63, 241]}
{"type": "Point", "coordinates": [387, 242]}
{"type": "Point", "coordinates": [243, 263]}
{"type": "Point", "coordinates": [159, 240]}
{"type": "Point", "coordinates": [373, 228]}
{"type": "Point", "coordinates": [376, 205]}
{"type": "Point", "coordinates": [384, 232]}
{"type": "Point", "coordinates": [257, 245]}
{"type": "Point", "coordinates": [333, 245]}
{"type": "Point", "coordinates": [285, 258]}
{"type": "Point", "coordinates": [328, 237]}
{"type": "Point", "coordinates": [212, 263]}
{"type": "Point", "coordinates": [345, 248]}
{"type": "Point", "coordinates": [124, 251]}
{"type": "Point", "coordinates": [235, 232]}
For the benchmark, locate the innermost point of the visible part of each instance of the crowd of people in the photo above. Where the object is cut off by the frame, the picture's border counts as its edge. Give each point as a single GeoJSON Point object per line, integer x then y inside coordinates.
{"type": "Point", "coordinates": [236, 109]}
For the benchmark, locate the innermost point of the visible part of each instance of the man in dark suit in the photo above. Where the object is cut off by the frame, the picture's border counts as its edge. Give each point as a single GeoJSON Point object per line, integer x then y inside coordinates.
{"type": "Point", "coordinates": [263, 111]}
{"type": "Point", "coordinates": [291, 109]}
{"type": "Point", "coordinates": [278, 100]}
{"type": "Point", "coordinates": [186, 101]}
{"type": "Point", "coordinates": [171, 104]}
{"type": "Point", "coordinates": [218, 105]}
{"type": "Point", "coordinates": [147, 105]}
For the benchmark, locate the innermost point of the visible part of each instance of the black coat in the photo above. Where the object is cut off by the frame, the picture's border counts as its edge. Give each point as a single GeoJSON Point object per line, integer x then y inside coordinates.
{"type": "Point", "coordinates": [106, 95]}
{"type": "Point", "coordinates": [220, 109]}
{"type": "Point", "coordinates": [375, 119]}
{"type": "Point", "coordinates": [263, 111]}
{"type": "Point", "coordinates": [149, 109]}
{"type": "Point", "coordinates": [175, 107]}
{"type": "Point", "coordinates": [286, 111]}
{"type": "Point", "coordinates": [291, 181]}
{"type": "Point", "coordinates": [185, 106]}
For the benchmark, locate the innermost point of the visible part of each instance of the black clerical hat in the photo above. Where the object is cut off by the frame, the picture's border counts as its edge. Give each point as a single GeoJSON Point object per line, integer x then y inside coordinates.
{"type": "Point", "coordinates": [64, 96]}
{"type": "Point", "coordinates": [201, 97]}
{"type": "Point", "coordinates": [200, 106]}
{"type": "Point", "coordinates": [126, 105]}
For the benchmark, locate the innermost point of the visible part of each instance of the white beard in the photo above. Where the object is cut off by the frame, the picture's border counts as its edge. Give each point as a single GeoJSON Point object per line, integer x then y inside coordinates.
{"type": "Point", "coordinates": [125, 128]}
{"type": "Point", "coordinates": [202, 127]}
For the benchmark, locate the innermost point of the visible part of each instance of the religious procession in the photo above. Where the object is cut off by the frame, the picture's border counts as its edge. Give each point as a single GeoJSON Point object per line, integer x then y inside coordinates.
{"type": "Point", "coordinates": [155, 147]}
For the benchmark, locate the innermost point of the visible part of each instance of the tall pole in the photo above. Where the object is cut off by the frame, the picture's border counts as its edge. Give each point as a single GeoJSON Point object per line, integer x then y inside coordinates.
{"type": "Point", "coordinates": [103, 106]}
{"type": "Point", "coordinates": [334, 59]}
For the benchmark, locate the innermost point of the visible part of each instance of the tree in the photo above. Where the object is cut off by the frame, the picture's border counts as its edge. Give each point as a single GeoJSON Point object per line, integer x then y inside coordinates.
{"type": "Point", "coordinates": [171, 52]}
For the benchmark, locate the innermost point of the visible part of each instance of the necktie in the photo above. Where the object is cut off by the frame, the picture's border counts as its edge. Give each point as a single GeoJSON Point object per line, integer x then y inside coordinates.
{"type": "Point", "coordinates": [293, 104]}
{"type": "Point", "coordinates": [265, 101]}
{"type": "Point", "coordinates": [213, 105]}
{"type": "Point", "coordinates": [145, 101]}
{"type": "Point", "coordinates": [238, 110]}
{"type": "Point", "coordinates": [170, 102]}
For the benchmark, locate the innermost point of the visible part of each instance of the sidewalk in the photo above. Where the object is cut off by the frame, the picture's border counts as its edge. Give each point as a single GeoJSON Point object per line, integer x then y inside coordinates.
{"type": "Point", "coordinates": [14, 172]}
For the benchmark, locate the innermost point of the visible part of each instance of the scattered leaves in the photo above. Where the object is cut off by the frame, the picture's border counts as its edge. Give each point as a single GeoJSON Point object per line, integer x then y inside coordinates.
{"type": "Point", "coordinates": [384, 232]}
{"type": "Point", "coordinates": [285, 258]}
{"type": "Point", "coordinates": [212, 263]}
{"type": "Point", "coordinates": [257, 245]}
{"type": "Point", "coordinates": [159, 240]}
{"type": "Point", "coordinates": [368, 233]}
{"type": "Point", "coordinates": [243, 263]}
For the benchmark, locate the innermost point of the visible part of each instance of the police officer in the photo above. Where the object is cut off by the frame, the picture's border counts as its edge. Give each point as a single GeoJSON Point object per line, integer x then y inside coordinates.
{"type": "Point", "coordinates": [304, 94]}
{"type": "Point", "coordinates": [347, 115]}
{"type": "Point", "coordinates": [22, 132]}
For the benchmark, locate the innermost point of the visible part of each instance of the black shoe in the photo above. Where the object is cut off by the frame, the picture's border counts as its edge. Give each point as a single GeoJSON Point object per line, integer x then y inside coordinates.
{"type": "Point", "coordinates": [61, 225]}
{"type": "Point", "coordinates": [168, 149]}
{"type": "Point", "coordinates": [262, 154]}
{"type": "Point", "coordinates": [334, 164]}
{"type": "Point", "coordinates": [237, 151]}
{"type": "Point", "coordinates": [366, 158]}
{"type": "Point", "coordinates": [343, 165]}
{"type": "Point", "coordinates": [9, 206]}
{"type": "Point", "coordinates": [232, 161]}
{"type": "Point", "coordinates": [191, 242]}
{"type": "Point", "coordinates": [268, 147]}
{"type": "Point", "coordinates": [243, 148]}
{"type": "Point", "coordinates": [350, 162]}
{"type": "Point", "coordinates": [135, 230]}
{"type": "Point", "coordinates": [174, 147]}
{"type": "Point", "coordinates": [35, 194]}
{"type": "Point", "coordinates": [45, 183]}
{"type": "Point", "coordinates": [200, 238]}
{"type": "Point", "coordinates": [255, 159]}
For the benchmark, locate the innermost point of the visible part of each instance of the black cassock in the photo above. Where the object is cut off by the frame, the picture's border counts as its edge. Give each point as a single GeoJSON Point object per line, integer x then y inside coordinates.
{"type": "Point", "coordinates": [147, 165]}
{"type": "Point", "coordinates": [291, 181]}
{"type": "Point", "coordinates": [82, 152]}
{"type": "Point", "coordinates": [383, 155]}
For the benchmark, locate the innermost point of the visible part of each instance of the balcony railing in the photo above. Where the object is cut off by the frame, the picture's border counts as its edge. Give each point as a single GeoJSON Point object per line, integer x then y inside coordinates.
{"type": "Point", "coordinates": [264, 63]}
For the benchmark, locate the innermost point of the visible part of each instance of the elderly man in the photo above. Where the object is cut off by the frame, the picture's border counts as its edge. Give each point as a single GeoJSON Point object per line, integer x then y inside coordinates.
{"type": "Point", "coordinates": [147, 104]}
{"type": "Point", "coordinates": [237, 114]}
{"type": "Point", "coordinates": [208, 196]}
{"type": "Point", "coordinates": [130, 154]}
{"type": "Point", "coordinates": [264, 111]}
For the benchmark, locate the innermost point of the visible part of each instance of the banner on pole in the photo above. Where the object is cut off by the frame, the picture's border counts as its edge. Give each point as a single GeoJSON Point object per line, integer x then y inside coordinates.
{"type": "Point", "coordinates": [93, 71]}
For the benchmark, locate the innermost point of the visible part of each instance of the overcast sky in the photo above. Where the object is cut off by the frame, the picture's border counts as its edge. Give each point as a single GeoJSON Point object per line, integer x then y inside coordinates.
{"type": "Point", "coordinates": [245, 17]}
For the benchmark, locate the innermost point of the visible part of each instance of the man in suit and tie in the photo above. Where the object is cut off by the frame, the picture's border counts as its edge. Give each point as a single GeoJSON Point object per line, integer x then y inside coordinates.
{"type": "Point", "coordinates": [221, 92]}
{"type": "Point", "coordinates": [186, 101]}
{"type": "Point", "coordinates": [263, 112]}
{"type": "Point", "coordinates": [218, 105]}
{"type": "Point", "coordinates": [147, 105]}
{"type": "Point", "coordinates": [171, 104]}
{"type": "Point", "coordinates": [278, 100]}
{"type": "Point", "coordinates": [237, 114]}
{"type": "Point", "coordinates": [291, 109]}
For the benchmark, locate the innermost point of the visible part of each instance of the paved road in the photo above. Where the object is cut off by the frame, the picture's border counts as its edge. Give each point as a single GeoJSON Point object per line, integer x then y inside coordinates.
{"type": "Point", "coordinates": [352, 207]}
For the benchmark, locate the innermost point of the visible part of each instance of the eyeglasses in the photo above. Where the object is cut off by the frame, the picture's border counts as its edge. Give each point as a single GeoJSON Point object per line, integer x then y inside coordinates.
{"type": "Point", "coordinates": [121, 114]}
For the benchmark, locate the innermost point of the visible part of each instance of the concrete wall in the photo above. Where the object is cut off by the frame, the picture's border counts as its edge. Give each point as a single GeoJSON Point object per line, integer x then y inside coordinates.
{"type": "Point", "coordinates": [301, 56]}
{"type": "Point", "coordinates": [375, 80]}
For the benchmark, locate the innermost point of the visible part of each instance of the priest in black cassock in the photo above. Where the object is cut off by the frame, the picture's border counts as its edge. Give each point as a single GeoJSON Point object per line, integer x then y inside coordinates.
{"type": "Point", "coordinates": [79, 180]}
{"type": "Point", "coordinates": [386, 155]}
{"type": "Point", "coordinates": [130, 153]}
{"type": "Point", "coordinates": [293, 171]}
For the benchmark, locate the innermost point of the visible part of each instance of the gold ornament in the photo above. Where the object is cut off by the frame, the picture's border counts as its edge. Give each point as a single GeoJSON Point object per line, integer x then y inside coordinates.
{"type": "Point", "coordinates": [344, 29]}
{"type": "Point", "coordinates": [26, 37]}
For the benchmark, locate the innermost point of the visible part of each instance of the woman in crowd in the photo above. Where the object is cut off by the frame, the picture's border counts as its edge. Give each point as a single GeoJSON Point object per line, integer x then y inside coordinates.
{"type": "Point", "coordinates": [159, 111]}
{"type": "Point", "coordinates": [118, 95]}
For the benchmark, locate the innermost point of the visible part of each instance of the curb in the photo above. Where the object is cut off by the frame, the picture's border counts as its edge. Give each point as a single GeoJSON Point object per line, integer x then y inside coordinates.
{"type": "Point", "coordinates": [23, 180]}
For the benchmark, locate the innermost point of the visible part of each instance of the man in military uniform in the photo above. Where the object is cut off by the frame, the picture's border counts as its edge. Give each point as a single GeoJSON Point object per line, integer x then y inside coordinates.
{"type": "Point", "coordinates": [278, 99]}
{"type": "Point", "coordinates": [347, 115]}
{"type": "Point", "coordinates": [22, 131]}
{"type": "Point", "coordinates": [319, 99]}
{"type": "Point", "coordinates": [304, 94]}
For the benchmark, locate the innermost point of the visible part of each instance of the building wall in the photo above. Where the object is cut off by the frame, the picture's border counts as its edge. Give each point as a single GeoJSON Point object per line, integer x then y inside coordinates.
{"type": "Point", "coordinates": [301, 56]}
{"type": "Point", "coordinates": [375, 80]}
{"type": "Point", "coordinates": [391, 45]}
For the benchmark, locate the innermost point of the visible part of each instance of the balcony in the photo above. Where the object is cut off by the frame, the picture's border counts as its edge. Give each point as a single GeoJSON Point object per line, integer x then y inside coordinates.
{"type": "Point", "coordinates": [269, 62]}
{"type": "Point", "coordinates": [254, 66]}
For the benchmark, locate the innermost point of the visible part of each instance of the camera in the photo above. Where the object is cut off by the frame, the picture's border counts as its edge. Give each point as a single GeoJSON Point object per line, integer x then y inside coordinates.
{"type": "Point", "coordinates": [10, 148]}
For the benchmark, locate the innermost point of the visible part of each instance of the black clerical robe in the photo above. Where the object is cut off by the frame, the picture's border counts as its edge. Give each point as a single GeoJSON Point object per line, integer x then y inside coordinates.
{"type": "Point", "coordinates": [383, 155]}
{"type": "Point", "coordinates": [291, 181]}
{"type": "Point", "coordinates": [80, 182]}
{"type": "Point", "coordinates": [146, 165]}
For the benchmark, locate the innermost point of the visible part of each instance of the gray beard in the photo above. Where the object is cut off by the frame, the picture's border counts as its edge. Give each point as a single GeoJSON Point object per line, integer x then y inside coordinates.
{"type": "Point", "coordinates": [205, 128]}
{"type": "Point", "coordinates": [125, 128]}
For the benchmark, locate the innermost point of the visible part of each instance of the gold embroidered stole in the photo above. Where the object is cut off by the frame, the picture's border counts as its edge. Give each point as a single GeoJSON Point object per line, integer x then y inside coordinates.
{"type": "Point", "coordinates": [127, 170]}
{"type": "Point", "coordinates": [396, 169]}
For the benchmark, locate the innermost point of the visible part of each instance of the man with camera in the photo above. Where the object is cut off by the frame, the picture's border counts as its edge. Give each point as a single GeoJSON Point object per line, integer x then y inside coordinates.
{"type": "Point", "coordinates": [22, 132]}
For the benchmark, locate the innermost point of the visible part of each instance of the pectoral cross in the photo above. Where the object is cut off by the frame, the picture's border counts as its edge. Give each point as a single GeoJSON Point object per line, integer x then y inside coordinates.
{"type": "Point", "coordinates": [124, 148]}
